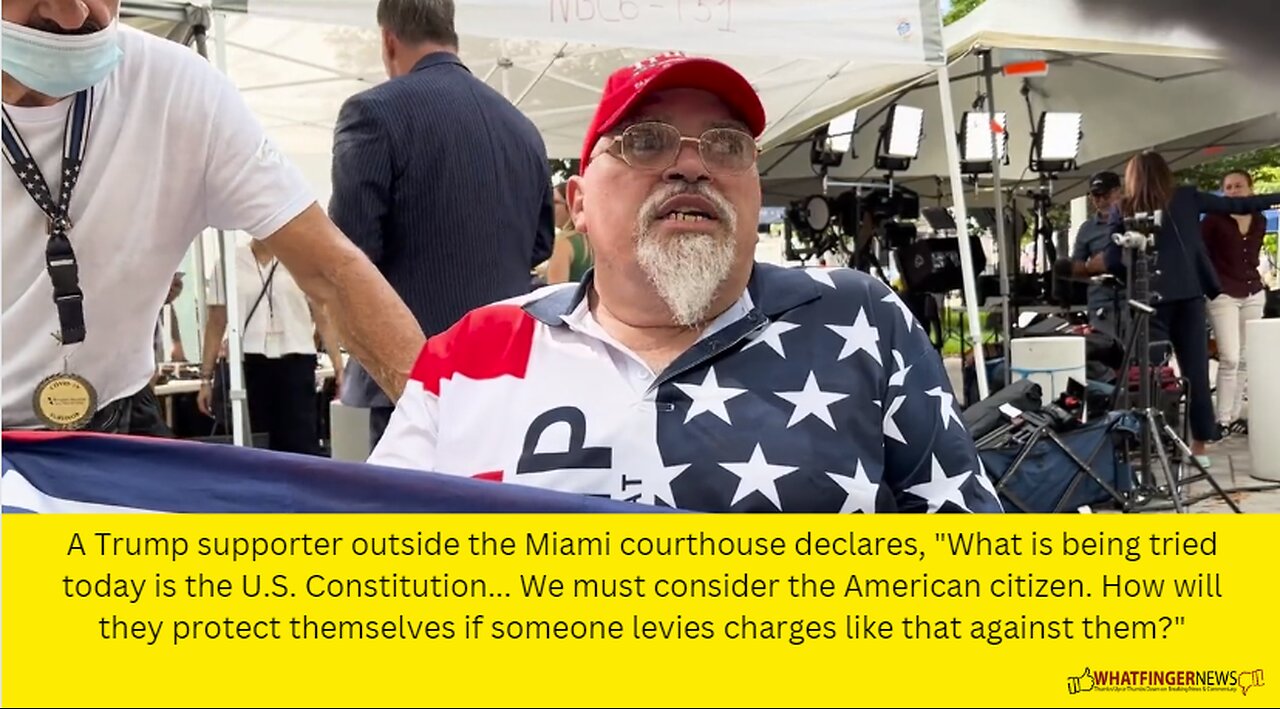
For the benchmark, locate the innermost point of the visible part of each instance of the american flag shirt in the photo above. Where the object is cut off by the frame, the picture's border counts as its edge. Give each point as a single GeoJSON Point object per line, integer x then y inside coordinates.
{"type": "Point", "coordinates": [817, 392]}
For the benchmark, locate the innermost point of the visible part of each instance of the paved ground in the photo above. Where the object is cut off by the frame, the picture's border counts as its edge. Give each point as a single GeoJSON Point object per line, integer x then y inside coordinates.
{"type": "Point", "coordinates": [1231, 467]}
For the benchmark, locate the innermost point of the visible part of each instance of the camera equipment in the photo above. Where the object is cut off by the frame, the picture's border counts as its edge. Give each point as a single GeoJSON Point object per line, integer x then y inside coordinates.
{"type": "Point", "coordinates": [933, 265]}
{"type": "Point", "coordinates": [899, 203]}
{"type": "Point", "coordinates": [808, 223]}
{"type": "Point", "coordinates": [1159, 444]}
{"type": "Point", "coordinates": [853, 224]}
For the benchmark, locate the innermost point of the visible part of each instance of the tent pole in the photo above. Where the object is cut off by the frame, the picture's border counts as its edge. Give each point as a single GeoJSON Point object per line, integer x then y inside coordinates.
{"type": "Point", "coordinates": [1006, 253]}
{"type": "Point", "coordinates": [962, 221]}
{"type": "Point", "coordinates": [201, 279]}
{"type": "Point", "coordinates": [227, 248]}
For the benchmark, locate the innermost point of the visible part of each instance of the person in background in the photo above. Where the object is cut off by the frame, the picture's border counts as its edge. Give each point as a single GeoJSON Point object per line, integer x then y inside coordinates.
{"type": "Point", "coordinates": [571, 257]}
{"type": "Point", "coordinates": [279, 349]}
{"type": "Point", "coordinates": [440, 180]}
{"type": "Point", "coordinates": [1092, 241]}
{"type": "Point", "coordinates": [682, 372]}
{"type": "Point", "coordinates": [1234, 243]}
{"type": "Point", "coordinates": [1182, 275]}
{"type": "Point", "coordinates": [175, 352]}
{"type": "Point", "coordinates": [121, 148]}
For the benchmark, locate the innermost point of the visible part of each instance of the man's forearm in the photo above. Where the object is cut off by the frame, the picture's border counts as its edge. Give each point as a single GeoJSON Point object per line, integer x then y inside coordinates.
{"type": "Point", "coordinates": [373, 322]}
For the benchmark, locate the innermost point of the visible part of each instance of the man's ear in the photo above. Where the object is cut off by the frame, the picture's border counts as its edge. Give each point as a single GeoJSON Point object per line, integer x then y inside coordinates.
{"type": "Point", "coordinates": [390, 45]}
{"type": "Point", "coordinates": [575, 198]}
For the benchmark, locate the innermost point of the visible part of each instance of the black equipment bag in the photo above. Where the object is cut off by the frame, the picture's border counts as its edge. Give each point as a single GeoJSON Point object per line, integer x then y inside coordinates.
{"type": "Point", "coordinates": [984, 416]}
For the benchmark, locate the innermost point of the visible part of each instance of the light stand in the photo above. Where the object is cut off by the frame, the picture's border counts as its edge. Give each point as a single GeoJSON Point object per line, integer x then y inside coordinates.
{"type": "Point", "coordinates": [1157, 437]}
{"type": "Point", "coordinates": [984, 143]}
{"type": "Point", "coordinates": [1042, 230]}
{"type": "Point", "coordinates": [1055, 147]}
{"type": "Point", "coordinates": [1005, 258]}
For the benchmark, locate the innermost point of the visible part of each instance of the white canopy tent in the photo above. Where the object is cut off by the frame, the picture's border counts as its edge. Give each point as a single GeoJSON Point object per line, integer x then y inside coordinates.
{"type": "Point", "coordinates": [1137, 89]}
{"type": "Point", "coordinates": [296, 61]}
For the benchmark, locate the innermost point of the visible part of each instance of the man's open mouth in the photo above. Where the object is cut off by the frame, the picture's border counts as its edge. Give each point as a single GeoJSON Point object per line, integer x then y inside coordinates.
{"type": "Point", "coordinates": [687, 208]}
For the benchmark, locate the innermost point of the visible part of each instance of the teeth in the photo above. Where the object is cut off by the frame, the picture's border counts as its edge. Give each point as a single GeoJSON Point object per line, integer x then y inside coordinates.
{"type": "Point", "coordinates": [686, 217]}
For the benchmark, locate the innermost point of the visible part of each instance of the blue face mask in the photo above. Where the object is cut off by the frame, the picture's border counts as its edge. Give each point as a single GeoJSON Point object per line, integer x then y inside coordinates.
{"type": "Point", "coordinates": [59, 65]}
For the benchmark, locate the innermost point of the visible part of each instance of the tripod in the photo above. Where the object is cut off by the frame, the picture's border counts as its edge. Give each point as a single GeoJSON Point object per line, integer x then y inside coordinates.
{"type": "Point", "coordinates": [1156, 436]}
{"type": "Point", "coordinates": [1042, 201]}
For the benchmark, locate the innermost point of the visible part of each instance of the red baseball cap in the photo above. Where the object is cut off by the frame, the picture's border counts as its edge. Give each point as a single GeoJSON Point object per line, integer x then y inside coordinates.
{"type": "Point", "coordinates": [630, 85]}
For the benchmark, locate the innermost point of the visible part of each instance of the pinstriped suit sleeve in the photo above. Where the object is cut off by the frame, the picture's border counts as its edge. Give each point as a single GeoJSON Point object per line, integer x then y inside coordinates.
{"type": "Point", "coordinates": [361, 176]}
{"type": "Point", "coordinates": [545, 242]}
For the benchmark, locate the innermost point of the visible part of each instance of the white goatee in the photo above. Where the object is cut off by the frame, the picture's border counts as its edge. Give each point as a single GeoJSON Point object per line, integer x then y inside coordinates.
{"type": "Point", "coordinates": [687, 268]}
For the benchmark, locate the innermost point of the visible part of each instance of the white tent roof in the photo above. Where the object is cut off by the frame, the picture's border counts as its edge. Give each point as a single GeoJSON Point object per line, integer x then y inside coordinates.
{"type": "Point", "coordinates": [296, 61]}
{"type": "Point", "coordinates": [1169, 90]}
{"type": "Point", "coordinates": [1061, 25]}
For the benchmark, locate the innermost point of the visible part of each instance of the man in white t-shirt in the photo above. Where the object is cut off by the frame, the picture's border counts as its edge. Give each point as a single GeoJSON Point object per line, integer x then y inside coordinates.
{"type": "Point", "coordinates": [154, 145]}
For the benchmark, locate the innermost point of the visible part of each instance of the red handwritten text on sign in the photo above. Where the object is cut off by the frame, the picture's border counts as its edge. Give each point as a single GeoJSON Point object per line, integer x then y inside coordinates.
{"type": "Point", "coordinates": [713, 14]}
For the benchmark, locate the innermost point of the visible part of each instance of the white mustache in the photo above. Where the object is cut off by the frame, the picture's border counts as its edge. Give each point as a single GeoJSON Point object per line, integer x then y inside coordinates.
{"type": "Point", "coordinates": [723, 207]}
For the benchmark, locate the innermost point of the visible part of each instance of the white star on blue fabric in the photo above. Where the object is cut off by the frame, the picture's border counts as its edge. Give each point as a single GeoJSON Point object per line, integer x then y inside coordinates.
{"type": "Point", "coordinates": [861, 335]}
{"type": "Point", "coordinates": [821, 275]}
{"type": "Point", "coordinates": [859, 491]}
{"type": "Point", "coordinates": [946, 407]}
{"type": "Point", "coordinates": [890, 426]}
{"type": "Point", "coordinates": [941, 489]}
{"type": "Point", "coordinates": [709, 396]}
{"type": "Point", "coordinates": [984, 480]}
{"type": "Point", "coordinates": [899, 377]}
{"type": "Point", "coordinates": [811, 401]}
{"type": "Point", "coordinates": [907, 316]}
{"type": "Point", "coordinates": [656, 484]}
{"type": "Point", "coordinates": [772, 336]}
{"type": "Point", "coordinates": [757, 475]}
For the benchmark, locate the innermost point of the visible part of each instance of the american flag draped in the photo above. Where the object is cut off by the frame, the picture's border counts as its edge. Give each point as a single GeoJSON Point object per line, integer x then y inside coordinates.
{"type": "Point", "coordinates": [100, 473]}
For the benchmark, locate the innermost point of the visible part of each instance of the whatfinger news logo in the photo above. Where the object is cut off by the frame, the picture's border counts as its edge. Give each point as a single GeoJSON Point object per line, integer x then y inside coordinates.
{"type": "Point", "coordinates": [1165, 681]}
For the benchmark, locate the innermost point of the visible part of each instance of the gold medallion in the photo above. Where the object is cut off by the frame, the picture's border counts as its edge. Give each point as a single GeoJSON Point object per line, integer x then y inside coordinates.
{"type": "Point", "coordinates": [65, 402]}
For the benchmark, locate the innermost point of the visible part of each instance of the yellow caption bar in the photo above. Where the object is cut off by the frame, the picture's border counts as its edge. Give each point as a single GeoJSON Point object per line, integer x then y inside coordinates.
{"type": "Point", "coordinates": [547, 610]}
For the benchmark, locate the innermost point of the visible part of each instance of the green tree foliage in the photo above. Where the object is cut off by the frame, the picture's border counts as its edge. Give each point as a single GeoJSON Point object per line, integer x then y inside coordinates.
{"type": "Point", "coordinates": [562, 169]}
{"type": "Point", "coordinates": [960, 8]}
{"type": "Point", "coordinates": [1263, 164]}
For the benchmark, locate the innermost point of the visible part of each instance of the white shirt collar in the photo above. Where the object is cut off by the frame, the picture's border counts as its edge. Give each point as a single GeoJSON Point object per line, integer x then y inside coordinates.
{"type": "Point", "coordinates": [583, 322]}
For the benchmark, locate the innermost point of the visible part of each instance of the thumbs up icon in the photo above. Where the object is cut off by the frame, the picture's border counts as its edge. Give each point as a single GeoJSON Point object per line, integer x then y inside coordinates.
{"type": "Point", "coordinates": [1083, 683]}
{"type": "Point", "coordinates": [1249, 680]}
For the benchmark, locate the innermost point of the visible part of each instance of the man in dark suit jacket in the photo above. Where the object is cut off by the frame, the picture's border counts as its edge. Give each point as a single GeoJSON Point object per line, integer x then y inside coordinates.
{"type": "Point", "coordinates": [440, 180]}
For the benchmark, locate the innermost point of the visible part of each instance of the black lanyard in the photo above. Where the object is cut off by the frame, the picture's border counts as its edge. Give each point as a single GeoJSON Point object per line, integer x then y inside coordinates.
{"type": "Point", "coordinates": [268, 287]}
{"type": "Point", "coordinates": [59, 257]}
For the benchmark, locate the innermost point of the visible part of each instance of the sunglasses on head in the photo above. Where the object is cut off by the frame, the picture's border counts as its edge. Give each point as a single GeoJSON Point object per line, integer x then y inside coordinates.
{"type": "Point", "coordinates": [652, 146]}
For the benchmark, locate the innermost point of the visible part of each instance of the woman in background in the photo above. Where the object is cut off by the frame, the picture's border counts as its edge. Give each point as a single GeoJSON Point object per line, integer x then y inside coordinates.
{"type": "Point", "coordinates": [280, 356]}
{"type": "Point", "coordinates": [571, 255]}
{"type": "Point", "coordinates": [1234, 243]}
{"type": "Point", "coordinates": [1182, 275]}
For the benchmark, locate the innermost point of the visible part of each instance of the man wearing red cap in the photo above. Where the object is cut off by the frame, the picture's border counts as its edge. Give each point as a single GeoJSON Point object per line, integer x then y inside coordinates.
{"type": "Point", "coordinates": [680, 372]}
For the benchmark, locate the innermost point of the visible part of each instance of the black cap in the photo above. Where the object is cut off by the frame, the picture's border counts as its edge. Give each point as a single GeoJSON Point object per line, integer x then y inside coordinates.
{"type": "Point", "coordinates": [1103, 182]}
